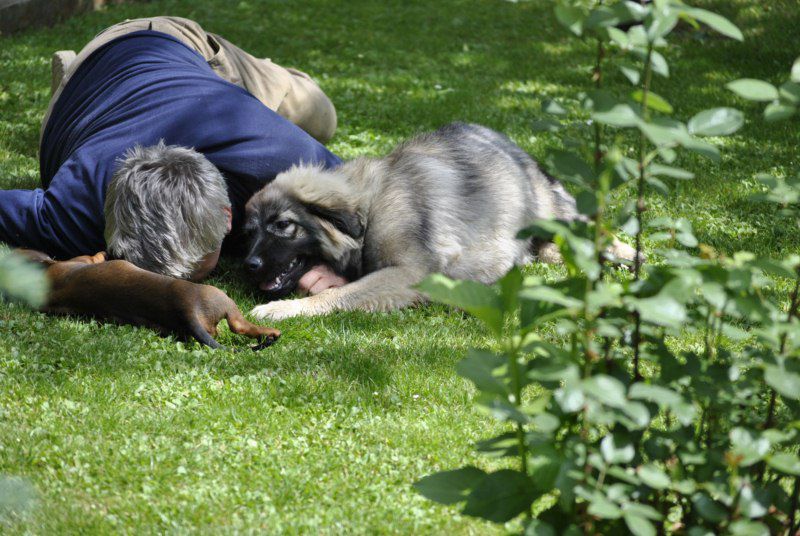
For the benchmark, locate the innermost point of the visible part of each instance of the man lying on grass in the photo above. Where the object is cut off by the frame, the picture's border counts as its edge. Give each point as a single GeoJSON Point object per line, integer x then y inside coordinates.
{"type": "Point", "coordinates": [156, 136]}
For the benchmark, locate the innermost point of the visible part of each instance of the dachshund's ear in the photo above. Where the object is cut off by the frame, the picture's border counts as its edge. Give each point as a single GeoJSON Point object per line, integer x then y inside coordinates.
{"type": "Point", "coordinates": [345, 221]}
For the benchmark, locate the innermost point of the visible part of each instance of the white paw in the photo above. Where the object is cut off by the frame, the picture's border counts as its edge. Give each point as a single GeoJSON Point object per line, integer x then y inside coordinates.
{"type": "Point", "coordinates": [622, 251]}
{"type": "Point", "coordinates": [280, 310]}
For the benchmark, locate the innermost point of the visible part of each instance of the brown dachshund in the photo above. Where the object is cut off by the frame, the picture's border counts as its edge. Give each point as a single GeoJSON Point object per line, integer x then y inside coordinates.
{"type": "Point", "coordinates": [91, 285]}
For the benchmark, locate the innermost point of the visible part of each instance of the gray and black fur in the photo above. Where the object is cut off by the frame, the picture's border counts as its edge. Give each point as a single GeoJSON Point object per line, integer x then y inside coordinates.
{"type": "Point", "coordinates": [450, 201]}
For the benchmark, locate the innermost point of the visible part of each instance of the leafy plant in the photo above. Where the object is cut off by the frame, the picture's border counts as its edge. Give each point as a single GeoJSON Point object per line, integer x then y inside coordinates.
{"type": "Point", "coordinates": [615, 425]}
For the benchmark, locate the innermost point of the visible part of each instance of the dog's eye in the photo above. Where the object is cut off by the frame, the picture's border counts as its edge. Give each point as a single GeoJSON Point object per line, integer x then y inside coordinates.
{"type": "Point", "coordinates": [283, 227]}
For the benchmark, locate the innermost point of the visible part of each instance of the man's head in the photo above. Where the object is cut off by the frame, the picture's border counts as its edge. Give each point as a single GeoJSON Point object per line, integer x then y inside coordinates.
{"type": "Point", "coordinates": [167, 211]}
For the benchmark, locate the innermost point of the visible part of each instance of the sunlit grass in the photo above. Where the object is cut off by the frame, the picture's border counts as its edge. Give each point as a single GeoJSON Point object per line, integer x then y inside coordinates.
{"type": "Point", "coordinates": [123, 431]}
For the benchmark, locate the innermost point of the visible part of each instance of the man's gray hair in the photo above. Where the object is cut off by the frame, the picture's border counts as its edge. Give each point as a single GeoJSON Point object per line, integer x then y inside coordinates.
{"type": "Point", "coordinates": [165, 209]}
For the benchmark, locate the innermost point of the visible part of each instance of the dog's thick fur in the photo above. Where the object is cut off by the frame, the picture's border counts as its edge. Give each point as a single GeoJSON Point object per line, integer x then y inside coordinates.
{"type": "Point", "coordinates": [451, 201]}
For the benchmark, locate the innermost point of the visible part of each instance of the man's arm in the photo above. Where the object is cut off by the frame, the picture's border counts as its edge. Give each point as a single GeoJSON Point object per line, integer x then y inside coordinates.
{"type": "Point", "coordinates": [20, 224]}
{"type": "Point", "coordinates": [61, 221]}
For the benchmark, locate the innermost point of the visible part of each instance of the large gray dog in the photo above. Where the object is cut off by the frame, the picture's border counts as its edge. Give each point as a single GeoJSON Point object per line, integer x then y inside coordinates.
{"type": "Point", "coordinates": [451, 201]}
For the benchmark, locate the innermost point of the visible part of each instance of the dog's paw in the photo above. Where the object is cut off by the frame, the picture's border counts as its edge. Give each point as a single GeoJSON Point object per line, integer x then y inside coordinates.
{"type": "Point", "coordinates": [279, 310]}
{"type": "Point", "coordinates": [620, 251]}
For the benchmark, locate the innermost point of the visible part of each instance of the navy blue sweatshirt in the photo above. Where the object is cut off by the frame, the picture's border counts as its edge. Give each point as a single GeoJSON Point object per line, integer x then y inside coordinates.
{"type": "Point", "coordinates": [139, 89]}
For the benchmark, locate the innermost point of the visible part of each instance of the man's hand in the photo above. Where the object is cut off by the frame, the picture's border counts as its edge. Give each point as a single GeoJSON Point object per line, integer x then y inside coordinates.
{"type": "Point", "coordinates": [319, 278]}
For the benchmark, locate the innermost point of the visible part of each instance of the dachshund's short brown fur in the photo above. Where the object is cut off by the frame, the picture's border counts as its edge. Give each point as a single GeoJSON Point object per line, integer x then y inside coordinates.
{"type": "Point", "coordinates": [91, 285]}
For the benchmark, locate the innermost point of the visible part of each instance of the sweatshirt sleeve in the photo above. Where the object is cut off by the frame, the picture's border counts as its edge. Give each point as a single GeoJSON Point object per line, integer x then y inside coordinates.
{"type": "Point", "coordinates": [62, 220]}
{"type": "Point", "coordinates": [19, 218]}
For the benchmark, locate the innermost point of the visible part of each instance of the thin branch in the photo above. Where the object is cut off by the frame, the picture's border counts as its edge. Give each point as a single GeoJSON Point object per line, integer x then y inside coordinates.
{"type": "Point", "coordinates": [640, 208]}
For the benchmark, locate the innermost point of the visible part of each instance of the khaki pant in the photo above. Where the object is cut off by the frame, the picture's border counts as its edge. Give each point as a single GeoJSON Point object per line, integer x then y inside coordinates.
{"type": "Point", "coordinates": [289, 92]}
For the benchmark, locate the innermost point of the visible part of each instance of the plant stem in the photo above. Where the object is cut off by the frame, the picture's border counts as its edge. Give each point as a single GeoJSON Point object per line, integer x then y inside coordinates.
{"type": "Point", "coordinates": [793, 506]}
{"type": "Point", "coordinates": [792, 313]}
{"type": "Point", "coordinates": [640, 208]}
{"type": "Point", "coordinates": [516, 380]}
{"type": "Point", "coordinates": [597, 76]}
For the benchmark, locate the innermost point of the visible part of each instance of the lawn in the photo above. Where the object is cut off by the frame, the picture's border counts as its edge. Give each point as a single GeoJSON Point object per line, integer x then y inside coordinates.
{"type": "Point", "coordinates": [120, 430]}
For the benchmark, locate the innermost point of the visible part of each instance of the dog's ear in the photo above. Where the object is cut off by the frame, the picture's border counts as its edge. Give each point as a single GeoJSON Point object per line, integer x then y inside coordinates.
{"type": "Point", "coordinates": [345, 221]}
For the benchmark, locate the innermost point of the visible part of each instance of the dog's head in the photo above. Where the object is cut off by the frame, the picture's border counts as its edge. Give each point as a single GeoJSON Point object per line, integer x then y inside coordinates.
{"type": "Point", "coordinates": [305, 216]}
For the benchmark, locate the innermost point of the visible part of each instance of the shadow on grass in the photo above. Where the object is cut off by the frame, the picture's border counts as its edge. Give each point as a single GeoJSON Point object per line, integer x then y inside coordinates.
{"type": "Point", "coordinates": [360, 349]}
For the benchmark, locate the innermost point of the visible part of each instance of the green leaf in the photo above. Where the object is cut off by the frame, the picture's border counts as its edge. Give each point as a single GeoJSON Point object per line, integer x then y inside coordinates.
{"type": "Point", "coordinates": [654, 101]}
{"type": "Point", "coordinates": [606, 390]}
{"type": "Point", "coordinates": [485, 370]}
{"type": "Point", "coordinates": [778, 112]}
{"type": "Point", "coordinates": [790, 92]}
{"type": "Point", "coordinates": [550, 295]}
{"type": "Point", "coordinates": [661, 310]}
{"type": "Point", "coordinates": [784, 382]}
{"type": "Point", "coordinates": [537, 527]}
{"type": "Point", "coordinates": [509, 289]}
{"type": "Point", "coordinates": [716, 22]}
{"type": "Point", "coordinates": [571, 18]}
{"type": "Point", "coordinates": [703, 148]}
{"type": "Point", "coordinates": [716, 122]}
{"type": "Point", "coordinates": [753, 503]}
{"type": "Point", "coordinates": [500, 496]}
{"type": "Point", "coordinates": [785, 462]}
{"type": "Point", "coordinates": [642, 510]}
{"type": "Point", "coordinates": [481, 301]}
{"type": "Point", "coordinates": [545, 125]}
{"type": "Point", "coordinates": [617, 115]}
{"type": "Point", "coordinates": [633, 75]}
{"type": "Point", "coordinates": [665, 398]}
{"type": "Point", "coordinates": [658, 185]}
{"type": "Point", "coordinates": [796, 71]}
{"type": "Point", "coordinates": [748, 446]}
{"type": "Point", "coordinates": [748, 528]}
{"type": "Point", "coordinates": [752, 89]}
{"type": "Point", "coordinates": [570, 397]}
{"type": "Point", "coordinates": [571, 167]}
{"type": "Point", "coordinates": [546, 423]}
{"type": "Point", "coordinates": [653, 476]}
{"type": "Point", "coordinates": [663, 24]}
{"type": "Point", "coordinates": [502, 410]}
{"type": "Point", "coordinates": [669, 171]}
{"type": "Point", "coordinates": [448, 487]}
{"type": "Point", "coordinates": [619, 37]}
{"type": "Point", "coordinates": [654, 393]}
{"type": "Point", "coordinates": [610, 16]}
{"type": "Point", "coordinates": [549, 106]}
{"type": "Point", "coordinates": [23, 280]}
{"type": "Point", "coordinates": [708, 508]}
{"type": "Point", "coordinates": [660, 134]}
{"type": "Point", "coordinates": [600, 506]}
{"type": "Point", "coordinates": [605, 294]}
{"type": "Point", "coordinates": [659, 64]}
{"type": "Point", "coordinates": [617, 449]}
{"type": "Point", "coordinates": [639, 526]}
{"type": "Point", "coordinates": [638, 38]}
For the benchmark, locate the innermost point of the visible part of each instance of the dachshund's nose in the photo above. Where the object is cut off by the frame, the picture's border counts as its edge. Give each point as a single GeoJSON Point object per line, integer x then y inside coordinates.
{"type": "Point", "coordinates": [253, 263]}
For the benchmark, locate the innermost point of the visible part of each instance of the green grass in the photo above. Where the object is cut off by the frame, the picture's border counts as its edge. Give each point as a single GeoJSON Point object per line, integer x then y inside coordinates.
{"type": "Point", "coordinates": [120, 430]}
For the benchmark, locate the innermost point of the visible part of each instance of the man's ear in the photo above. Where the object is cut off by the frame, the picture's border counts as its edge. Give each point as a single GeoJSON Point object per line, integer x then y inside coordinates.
{"type": "Point", "coordinates": [229, 214]}
{"type": "Point", "coordinates": [345, 221]}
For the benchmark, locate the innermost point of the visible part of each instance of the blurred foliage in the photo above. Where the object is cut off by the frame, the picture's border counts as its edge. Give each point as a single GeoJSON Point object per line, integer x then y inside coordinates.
{"type": "Point", "coordinates": [615, 428]}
